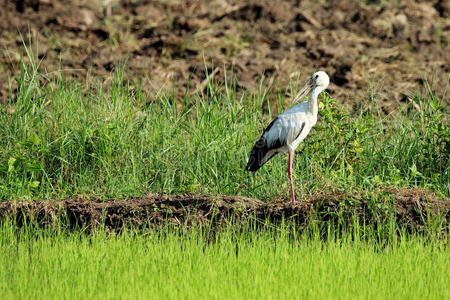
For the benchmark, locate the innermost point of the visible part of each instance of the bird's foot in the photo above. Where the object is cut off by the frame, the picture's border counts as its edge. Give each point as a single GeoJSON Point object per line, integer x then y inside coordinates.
{"type": "Point", "coordinates": [293, 201]}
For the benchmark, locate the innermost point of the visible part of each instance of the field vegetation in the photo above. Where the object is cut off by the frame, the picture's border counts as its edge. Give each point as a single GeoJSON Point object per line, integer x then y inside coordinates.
{"type": "Point", "coordinates": [176, 263]}
{"type": "Point", "coordinates": [109, 140]}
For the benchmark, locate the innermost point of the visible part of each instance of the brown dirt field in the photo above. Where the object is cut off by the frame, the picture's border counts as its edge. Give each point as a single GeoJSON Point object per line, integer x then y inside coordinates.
{"type": "Point", "coordinates": [372, 49]}
{"type": "Point", "coordinates": [408, 206]}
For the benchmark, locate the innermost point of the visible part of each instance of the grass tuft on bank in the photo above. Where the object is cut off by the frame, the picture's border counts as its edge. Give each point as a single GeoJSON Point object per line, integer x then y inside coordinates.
{"type": "Point", "coordinates": [111, 140]}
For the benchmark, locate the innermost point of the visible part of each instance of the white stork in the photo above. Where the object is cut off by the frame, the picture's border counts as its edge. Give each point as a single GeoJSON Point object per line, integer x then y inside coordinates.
{"type": "Point", "coordinates": [286, 131]}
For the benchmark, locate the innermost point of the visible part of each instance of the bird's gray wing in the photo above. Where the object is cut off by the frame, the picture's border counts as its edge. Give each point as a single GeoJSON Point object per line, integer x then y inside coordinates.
{"type": "Point", "coordinates": [279, 132]}
{"type": "Point", "coordinates": [287, 129]}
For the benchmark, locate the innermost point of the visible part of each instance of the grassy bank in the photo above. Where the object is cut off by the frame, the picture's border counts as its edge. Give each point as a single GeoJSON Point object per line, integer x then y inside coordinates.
{"type": "Point", "coordinates": [233, 264]}
{"type": "Point", "coordinates": [107, 139]}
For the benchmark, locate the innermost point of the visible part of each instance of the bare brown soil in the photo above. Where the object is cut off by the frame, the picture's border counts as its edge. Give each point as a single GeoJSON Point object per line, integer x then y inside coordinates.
{"type": "Point", "coordinates": [371, 49]}
{"type": "Point", "coordinates": [409, 207]}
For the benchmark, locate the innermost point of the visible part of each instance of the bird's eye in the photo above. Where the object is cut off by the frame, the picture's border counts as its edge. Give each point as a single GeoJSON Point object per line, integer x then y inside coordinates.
{"type": "Point", "coordinates": [317, 76]}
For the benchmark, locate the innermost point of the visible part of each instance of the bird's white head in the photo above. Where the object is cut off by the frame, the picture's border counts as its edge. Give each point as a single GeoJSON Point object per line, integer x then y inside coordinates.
{"type": "Point", "coordinates": [319, 80]}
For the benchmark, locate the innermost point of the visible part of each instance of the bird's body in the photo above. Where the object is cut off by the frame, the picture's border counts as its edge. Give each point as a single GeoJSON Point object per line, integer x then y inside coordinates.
{"type": "Point", "coordinates": [290, 128]}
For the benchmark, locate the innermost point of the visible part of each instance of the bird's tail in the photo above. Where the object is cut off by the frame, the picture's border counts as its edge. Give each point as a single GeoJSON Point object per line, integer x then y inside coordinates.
{"type": "Point", "coordinates": [258, 155]}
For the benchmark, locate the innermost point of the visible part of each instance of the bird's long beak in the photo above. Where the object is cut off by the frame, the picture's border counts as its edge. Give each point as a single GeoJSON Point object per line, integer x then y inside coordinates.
{"type": "Point", "coordinates": [304, 91]}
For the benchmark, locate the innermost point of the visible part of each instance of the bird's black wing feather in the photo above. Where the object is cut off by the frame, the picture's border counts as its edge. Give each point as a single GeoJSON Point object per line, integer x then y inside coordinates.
{"type": "Point", "coordinates": [261, 148]}
{"type": "Point", "coordinates": [259, 151]}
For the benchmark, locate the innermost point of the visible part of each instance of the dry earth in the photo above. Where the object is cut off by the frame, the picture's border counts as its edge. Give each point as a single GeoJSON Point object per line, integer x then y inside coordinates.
{"type": "Point", "coordinates": [410, 207]}
{"type": "Point", "coordinates": [372, 49]}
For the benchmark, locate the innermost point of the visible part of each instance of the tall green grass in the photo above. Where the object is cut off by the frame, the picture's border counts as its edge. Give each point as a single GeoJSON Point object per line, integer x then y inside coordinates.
{"type": "Point", "coordinates": [62, 138]}
{"type": "Point", "coordinates": [250, 264]}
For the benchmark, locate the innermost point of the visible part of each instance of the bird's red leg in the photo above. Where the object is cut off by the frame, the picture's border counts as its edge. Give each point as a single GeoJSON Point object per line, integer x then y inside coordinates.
{"type": "Point", "coordinates": [291, 160]}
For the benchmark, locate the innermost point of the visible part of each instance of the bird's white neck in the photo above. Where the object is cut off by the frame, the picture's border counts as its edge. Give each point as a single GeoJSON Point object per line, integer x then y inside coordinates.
{"type": "Point", "coordinates": [313, 103]}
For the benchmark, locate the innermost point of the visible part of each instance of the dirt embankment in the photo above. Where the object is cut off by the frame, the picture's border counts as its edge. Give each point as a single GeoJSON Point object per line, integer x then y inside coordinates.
{"type": "Point", "coordinates": [410, 207]}
{"type": "Point", "coordinates": [371, 49]}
